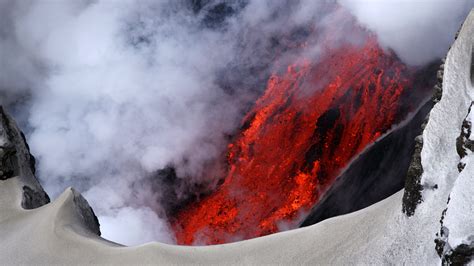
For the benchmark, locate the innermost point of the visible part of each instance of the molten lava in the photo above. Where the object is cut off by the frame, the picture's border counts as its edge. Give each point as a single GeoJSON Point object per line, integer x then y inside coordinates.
{"type": "Point", "coordinates": [307, 126]}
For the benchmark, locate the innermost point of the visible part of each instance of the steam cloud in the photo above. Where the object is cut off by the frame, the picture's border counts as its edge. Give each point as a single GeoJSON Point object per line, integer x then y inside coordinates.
{"type": "Point", "coordinates": [110, 92]}
{"type": "Point", "coordinates": [417, 30]}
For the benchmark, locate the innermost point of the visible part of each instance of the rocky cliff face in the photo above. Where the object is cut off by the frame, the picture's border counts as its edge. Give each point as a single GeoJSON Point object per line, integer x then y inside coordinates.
{"type": "Point", "coordinates": [441, 171]}
{"type": "Point", "coordinates": [17, 162]}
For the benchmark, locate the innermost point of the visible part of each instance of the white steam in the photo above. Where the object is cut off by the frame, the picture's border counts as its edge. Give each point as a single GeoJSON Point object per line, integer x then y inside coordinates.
{"type": "Point", "coordinates": [116, 90]}
{"type": "Point", "coordinates": [417, 30]}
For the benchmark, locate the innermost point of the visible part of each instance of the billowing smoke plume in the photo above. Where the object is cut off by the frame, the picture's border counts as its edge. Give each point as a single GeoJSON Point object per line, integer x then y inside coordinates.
{"type": "Point", "coordinates": [113, 92]}
{"type": "Point", "coordinates": [418, 30]}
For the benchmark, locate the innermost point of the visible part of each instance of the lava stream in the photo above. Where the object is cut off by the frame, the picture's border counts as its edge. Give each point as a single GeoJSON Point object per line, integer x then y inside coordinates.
{"type": "Point", "coordinates": [306, 127]}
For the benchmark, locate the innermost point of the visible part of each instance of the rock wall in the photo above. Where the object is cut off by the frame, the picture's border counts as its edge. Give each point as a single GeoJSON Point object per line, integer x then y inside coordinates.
{"type": "Point", "coordinates": [16, 161]}
{"type": "Point", "coordinates": [440, 175]}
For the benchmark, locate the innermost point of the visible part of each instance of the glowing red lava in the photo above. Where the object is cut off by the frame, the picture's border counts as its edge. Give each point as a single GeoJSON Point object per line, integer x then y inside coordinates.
{"type": "Point", "coordinates": [301, 133]}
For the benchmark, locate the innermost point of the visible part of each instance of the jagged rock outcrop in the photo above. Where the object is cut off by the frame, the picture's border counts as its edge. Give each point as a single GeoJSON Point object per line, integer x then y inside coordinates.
{"type": "Point", "coordinates": [446, 149]}
{"type": "Point", "coordinates": [464, 144]}
{"type": "Point", "coordinates": [413, 188]}
{"type": "Point", "coordinates": [16, 162]}
{"type": "Point", "coordinates": [455, 240]}
{"type": "Point", "coordinates": [85, 213]}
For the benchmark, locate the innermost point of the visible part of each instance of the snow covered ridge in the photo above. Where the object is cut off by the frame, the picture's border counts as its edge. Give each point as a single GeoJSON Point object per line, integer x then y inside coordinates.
{"type": "Point", "coordinates": [456, 237]}
{"type": "Point", "coordinates": [433, 224]}
{"type": "Point", "coordinates": [442, 174]}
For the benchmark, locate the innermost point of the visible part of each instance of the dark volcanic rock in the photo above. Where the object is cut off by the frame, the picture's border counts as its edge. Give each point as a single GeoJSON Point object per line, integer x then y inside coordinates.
{"type": "Point", "coordinates": [459, 255]}
{"type": "Point", "coordinates": [86, 213]}
{"type": "Point", "coordinates": [378, 173]}
{"type": "Point", "coordinates": [413, 188]}
{"type": "Point", "coordinates": [33, 199]}
{"type": "Point", "coordinates": [16, 161]}
{"type": "Point", "coordinates": [381, 170]}
{"type": "Point", "coordinates": [463, 142]}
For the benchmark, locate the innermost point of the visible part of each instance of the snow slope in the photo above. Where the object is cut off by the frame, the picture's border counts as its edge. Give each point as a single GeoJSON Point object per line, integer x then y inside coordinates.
{"type": "Point", "coordinates": [63, 232]}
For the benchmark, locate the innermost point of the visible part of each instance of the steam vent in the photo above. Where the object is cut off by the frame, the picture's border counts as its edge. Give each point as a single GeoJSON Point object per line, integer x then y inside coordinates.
{"type": "Point", "coordinates": [237, 132]}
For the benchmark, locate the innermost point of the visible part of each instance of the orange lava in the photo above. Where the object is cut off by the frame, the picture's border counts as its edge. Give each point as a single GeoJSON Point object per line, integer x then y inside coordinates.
{"type": "Point", "coordinates": [309, 124]}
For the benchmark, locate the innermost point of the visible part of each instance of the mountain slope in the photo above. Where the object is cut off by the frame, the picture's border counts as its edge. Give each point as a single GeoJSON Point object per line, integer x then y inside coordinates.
{"type": "Point", "coordinates": [65, 231]}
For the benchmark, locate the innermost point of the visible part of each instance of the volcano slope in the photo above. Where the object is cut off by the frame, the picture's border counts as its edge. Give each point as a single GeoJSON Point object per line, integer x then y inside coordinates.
{"type": "Point", "coordinates": [401, 229]}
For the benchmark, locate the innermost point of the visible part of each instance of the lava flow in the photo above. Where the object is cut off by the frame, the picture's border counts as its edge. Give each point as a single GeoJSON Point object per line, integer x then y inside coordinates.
{"type": "Point", "coordinates": [307, 126]}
